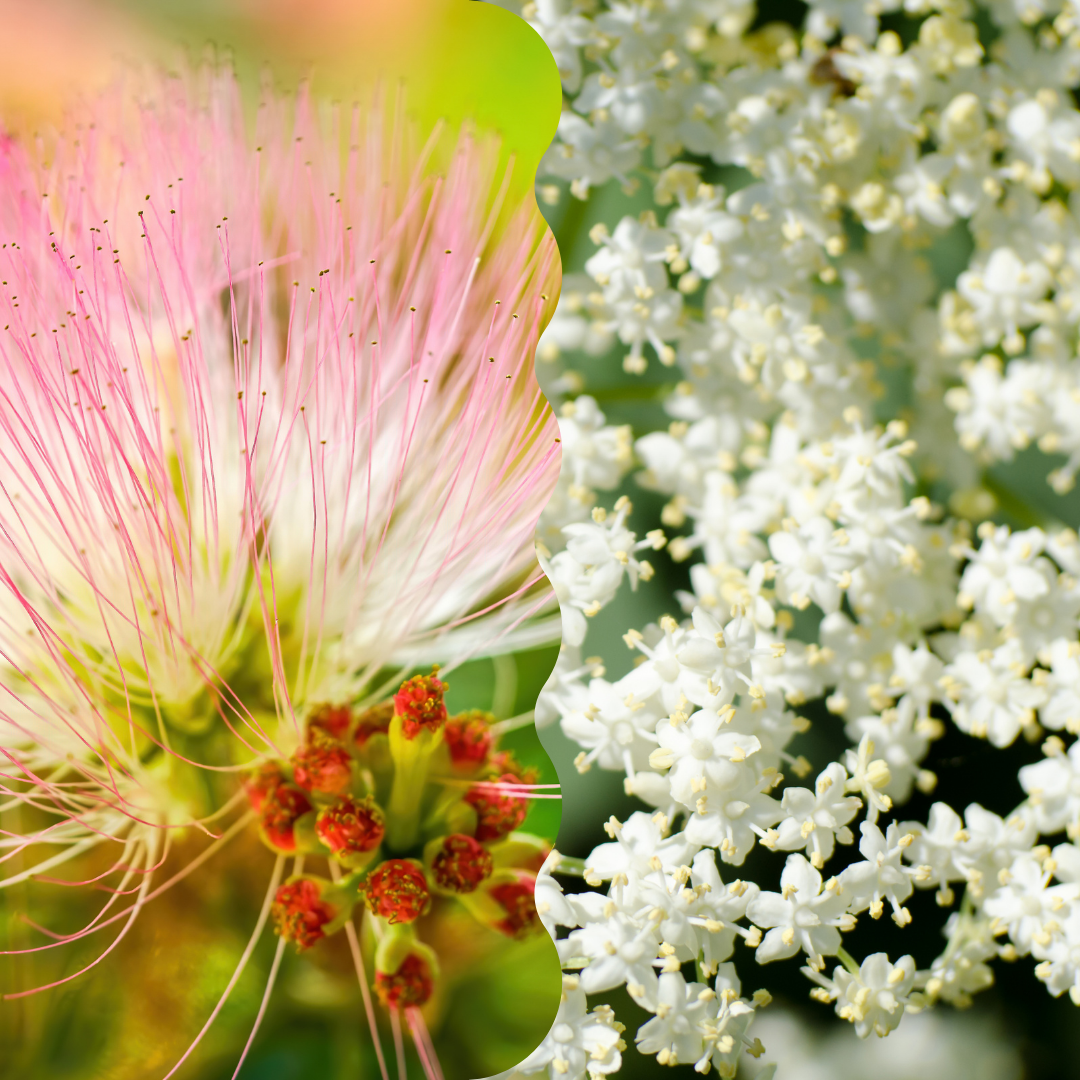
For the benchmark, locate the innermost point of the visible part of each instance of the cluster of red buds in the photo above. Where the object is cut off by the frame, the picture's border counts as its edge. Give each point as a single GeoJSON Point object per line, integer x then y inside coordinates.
{"type": "Point", "coordinates": [413, 808]}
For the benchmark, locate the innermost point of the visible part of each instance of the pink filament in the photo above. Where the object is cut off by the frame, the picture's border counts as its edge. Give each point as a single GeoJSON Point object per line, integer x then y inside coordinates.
{"type": "Point", "coordinates": [425, 1047]}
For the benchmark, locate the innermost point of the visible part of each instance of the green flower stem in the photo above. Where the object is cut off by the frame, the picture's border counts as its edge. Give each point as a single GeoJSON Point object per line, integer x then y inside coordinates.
{"type": "Point", "coordinates": [412, 758]}
{"type": "Point", "coordinates": [847, 960]}
{"type": "Point", "coordinates": [569, 865]}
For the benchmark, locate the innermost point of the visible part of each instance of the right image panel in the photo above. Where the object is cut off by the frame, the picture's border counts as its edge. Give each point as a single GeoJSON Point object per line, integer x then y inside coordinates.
{"type": "Point", "coordinates": [816, 707]}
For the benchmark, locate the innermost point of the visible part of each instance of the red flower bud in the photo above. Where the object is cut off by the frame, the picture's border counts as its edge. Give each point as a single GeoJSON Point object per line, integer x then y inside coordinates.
{"type": "Point", "coordinates": [351, 826]}
{"type": "Point", "coordinates": [280, 810]}
{"type": "Point", "coordinates": [412, 983]}
{"type": "Point", "coordinates": [420, 704]}
{"type": "Point", "coordinates": [503, 762]}
{"type": "Point", "coordinates": [373, 721]}
{"type": "Point", "coordinates": [261, 781]}
{"type": "Point", "coordinates": [323, 766]}
{"type": "Point", "coordinates": [331, 720]}
{"type": "Point", "coordinates": [300, 913]}
{"type": "Point", "coordinates": [468, 738]}
{"type": "Point", "coordinates": [397, 890]}
{"type": "Point", "coordinates": [461, 863]}
{"type": "Point", "coordinates": [516, 898]}
{"type": "Point", "coordinates": [498, 812]}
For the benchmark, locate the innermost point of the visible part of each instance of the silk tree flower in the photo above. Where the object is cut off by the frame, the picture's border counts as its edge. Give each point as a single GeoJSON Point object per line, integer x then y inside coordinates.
{"type": "Point", "coordinates": [269, 441]}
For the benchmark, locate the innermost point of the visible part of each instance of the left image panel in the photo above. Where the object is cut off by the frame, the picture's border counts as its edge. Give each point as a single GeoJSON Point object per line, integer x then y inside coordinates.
{"type": "Point", "coordinates": [272, 623]}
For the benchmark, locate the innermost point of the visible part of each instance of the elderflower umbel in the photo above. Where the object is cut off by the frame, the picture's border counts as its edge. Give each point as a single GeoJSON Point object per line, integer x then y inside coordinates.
{"type": "Point", "coordinates": [840, 225]}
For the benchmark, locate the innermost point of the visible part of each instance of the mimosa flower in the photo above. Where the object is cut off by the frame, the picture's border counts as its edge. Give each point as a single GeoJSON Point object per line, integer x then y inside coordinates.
{"type": "Point", "coordinates": [459, 863]}
{"type": "Point", "coordinates": [280, 811]}
{"type": "Point", "coordinates": [420, 704]}
{"type": "Point", "coordinates": [322, 766]}
{"type": "Point", "coordinates": [397, 891]}
{"type": "Point", "coordinates": [515, 896]}
{"type": "Point", "coordinates": [468, 740]}
{"type": "Point", "coordinates": [499, 808]}
{"type": "Point", "coordinates": [307, 909]}
{"type": "Point", "coordinates": [269, 440]}
{"type": "Point", "coordinates": [410, 982]}
{"type": "Point", "coordinates": [351, 827]}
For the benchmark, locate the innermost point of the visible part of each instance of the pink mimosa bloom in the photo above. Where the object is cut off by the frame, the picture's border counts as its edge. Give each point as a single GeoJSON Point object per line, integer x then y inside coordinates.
{"type": "Point", "coordinates": [269, 439]}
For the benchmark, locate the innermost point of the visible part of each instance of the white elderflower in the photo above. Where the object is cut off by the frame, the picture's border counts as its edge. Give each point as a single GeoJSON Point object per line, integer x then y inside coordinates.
{"type": "Point", "coordinates": [595, 453]}
{"type": "Point", "coordinates": [880, 876]}
{"type": "Point", "coordinates": [873, 996]}
{"type": "Point", "coordinates": [961, 970]}
{"type": "Point", "coordinates": [716, 659]}
{"type": "Point", "coordinates": [552, 905]}
{"type": "Point", "coordinates": [814, 563]}
{"type": "Point", "coordinates": [1004, 295]}
{"type": "Point", "coordinates": [1059, 967]}
{"type": "Point", "coordinates": [869, 776]}
{"type": "Point", "coordinates": [630, 262]}
{"type": "Point", "coordinates": [725, 1029]}
{"type": "Point", "coordinates": [574, 326]}
{"type": "Point", "coordinates": [726, 523]}
{"type": "Point", "coordinates": [732, 820]}
{"type": "Point", "coordinates": [674, 1034]}
{"type": "Point", "coordinates": [598, 554]}
{"type": "Point", "coordinates": [705, 757]}
{"type": "Point", "coordinates": [1038, 624]}
{"type": "Point", "coordinates": [641, 847]}
{"type": "Point", "coordinates": [990, 695]}
{"type": "Point", "coordinates": [903, 732]}
{"type": "Point", "coordinates": [1003, 570]}
{"type": "Point", "coordinates": [1053, 790]}
{"type": "Point", "coordinates": [935, 847]}
{"type": "Point", "coordinates": [565, 692]}
{"type": "Point", "coordinates": [873, 466]}
{"type": "Point", "coordinates": [699, 912]}
{"type": "Point", "coordinates": [816, 819]}
{"type": "Point", "coordinates": [855, 659]}
{"type": "Point", "coordinates": [614, 728]}
{"type": "Point", "coordinates": [579, 1042]}
{"type": "Point", "coordinates": [800, 916]}
{"type": "Point", "coordinates": [1062, 684]}
{"type": "Point", "coordinates": [701, 227]}
{"type": "Point", "coordinates": [588, 154]}
{"type": "Point", "coordinates": [607, 548]}
{"type": "Point", "coordinates": [564, 30]}
{"type": "Point", "coordinates": [677, 461]}
{"type": "Point", "coordinates": [1045, 132]}
{"type": "Point", "coordinates": [1027, 905]}
{"type": "Point", "coordinates": [647, 318]}
{"type": "Point", "coordinates": [612, 951]}
{"type": "Point", "coordinates": [990, 843]}
{"type": "Point", "coordinates": [986, 408]}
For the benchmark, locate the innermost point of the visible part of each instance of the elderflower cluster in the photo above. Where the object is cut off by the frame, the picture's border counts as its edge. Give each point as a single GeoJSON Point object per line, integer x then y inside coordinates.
{"type": "Point", "coordinates": [859, 263]}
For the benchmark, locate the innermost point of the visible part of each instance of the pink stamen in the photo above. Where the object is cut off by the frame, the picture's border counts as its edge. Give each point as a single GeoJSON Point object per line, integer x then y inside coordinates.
{"type": "Point", "coordinates": [422, 1038]}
